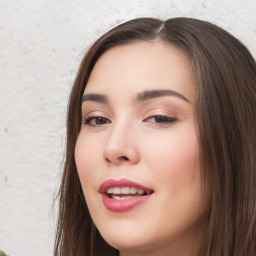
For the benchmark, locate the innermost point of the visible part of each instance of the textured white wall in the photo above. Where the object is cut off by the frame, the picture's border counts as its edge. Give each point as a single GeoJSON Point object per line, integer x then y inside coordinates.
{"type": "Point", "coordinates": [41, 44]}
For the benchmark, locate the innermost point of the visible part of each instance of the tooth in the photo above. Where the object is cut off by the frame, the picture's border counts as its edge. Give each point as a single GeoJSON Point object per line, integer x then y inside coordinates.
{"type": "Point", "coordinates": [117, 197]}
{"type": "Point", "coordinates": [116, 190]}
{"type": "Point", "coordinates": [126, 197]}
{"type": "Point", "coordinates": [124, 190]}
{"type": "Point", "coordinates": [133, 190]}
{"type": "Point", "coordinates": [121, 197]}
{"type": "Point", "coordinates": [110, 191]}
{"type": "Point", "coordinates": [140, 191]}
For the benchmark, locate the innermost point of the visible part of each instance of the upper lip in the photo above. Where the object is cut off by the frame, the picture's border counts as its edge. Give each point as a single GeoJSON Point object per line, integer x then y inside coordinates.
{"type": "Point", "coordinates": [120, 183]}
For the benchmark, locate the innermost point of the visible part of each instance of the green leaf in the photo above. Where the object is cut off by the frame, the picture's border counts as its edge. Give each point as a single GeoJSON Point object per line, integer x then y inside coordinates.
{"type": "Point", "coordinates": [2, 253]}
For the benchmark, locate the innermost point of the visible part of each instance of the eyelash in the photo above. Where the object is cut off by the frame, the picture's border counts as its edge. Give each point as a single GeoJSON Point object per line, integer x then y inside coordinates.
{"type": "Point", "coordinates": [100, 120]}
{"type": "Point", "coordinates": [162, 119]}
{"type": "Point", "coordinates": [89, 119]}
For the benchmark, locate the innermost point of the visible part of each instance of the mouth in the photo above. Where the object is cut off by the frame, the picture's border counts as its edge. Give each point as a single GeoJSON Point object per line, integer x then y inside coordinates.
{"type": "Point", "coordinates": [123, 195]}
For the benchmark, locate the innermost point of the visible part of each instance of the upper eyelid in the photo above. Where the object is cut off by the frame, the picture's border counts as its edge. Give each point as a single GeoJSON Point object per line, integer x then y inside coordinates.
{"type": "Point", "coordinates": [104, 115]}
{"type": "Point", "coordinates": [164, 115]}
{"type": "Point", "coordinates": [147, 111]}
{"type": "Point", "coordinates": [161, 115]}
{"type": "Point", "coordinates": [95, 116]}
{"type": "Point", "coordinates": [161, 112]}
{"type": "Point", "coordinates": [94, 113]}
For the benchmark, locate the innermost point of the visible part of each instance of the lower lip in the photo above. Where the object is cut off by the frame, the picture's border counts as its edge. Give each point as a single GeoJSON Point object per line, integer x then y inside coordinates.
{"type": "Point", "coordinates": [123, 205]}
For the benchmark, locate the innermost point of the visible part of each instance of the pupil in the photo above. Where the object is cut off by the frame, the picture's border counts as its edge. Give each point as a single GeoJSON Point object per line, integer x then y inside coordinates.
{"type": "Point", "coordinates": [100, 120]}
{"type": "Point", "coordinates": [161, 119]}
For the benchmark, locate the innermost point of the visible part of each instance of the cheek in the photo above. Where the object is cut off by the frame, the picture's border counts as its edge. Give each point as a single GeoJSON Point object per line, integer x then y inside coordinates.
{"type": "Point", "coordinates": [176, 168]}
{"type": "Point", "coordinates": [175, 159]}
{"type": "Point", "coordinates": [85, 156]}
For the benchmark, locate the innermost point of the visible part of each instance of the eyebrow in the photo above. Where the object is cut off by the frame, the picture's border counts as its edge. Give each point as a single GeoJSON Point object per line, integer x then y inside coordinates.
{"type": "Point", "coordinates": [150, 94]}
{"type": "Point", "coordinates": [141, 96]}
{"type": "Point", "coordinates": [95, 97]}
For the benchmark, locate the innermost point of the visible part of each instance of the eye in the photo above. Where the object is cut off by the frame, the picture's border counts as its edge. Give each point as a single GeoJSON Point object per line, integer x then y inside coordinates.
{"type": "Point", "coordinates": [161, 119]}
{"type": "Point", "coordinates": [96, 121]}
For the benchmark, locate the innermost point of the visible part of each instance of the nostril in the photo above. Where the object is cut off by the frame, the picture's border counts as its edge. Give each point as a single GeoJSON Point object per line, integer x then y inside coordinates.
{"type": "Point", "coordinates": [107, 160]}
{"type": "Point", "coordinates": [123, 158]}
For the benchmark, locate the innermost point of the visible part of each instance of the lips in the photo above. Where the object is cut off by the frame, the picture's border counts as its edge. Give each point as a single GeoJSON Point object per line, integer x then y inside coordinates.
{"type": "Point", "coordinates": [123, 195]}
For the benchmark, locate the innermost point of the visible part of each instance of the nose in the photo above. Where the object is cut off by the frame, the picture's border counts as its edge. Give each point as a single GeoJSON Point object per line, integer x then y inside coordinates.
{"type": "Point", "coordinates": [121, 146]}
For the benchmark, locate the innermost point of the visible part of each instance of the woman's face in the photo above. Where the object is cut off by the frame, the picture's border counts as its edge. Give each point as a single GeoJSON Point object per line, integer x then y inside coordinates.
{"type": "Point", "coordinates": [137, 153]}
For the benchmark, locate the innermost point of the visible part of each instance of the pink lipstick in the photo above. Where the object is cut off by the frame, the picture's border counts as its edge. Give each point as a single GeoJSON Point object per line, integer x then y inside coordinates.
{"type": "Point", "coordinates": [123, 195]}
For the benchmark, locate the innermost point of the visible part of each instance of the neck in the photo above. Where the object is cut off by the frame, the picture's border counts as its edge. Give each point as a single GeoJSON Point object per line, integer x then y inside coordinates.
{"type": "Point", "coordinates": [188, 245]}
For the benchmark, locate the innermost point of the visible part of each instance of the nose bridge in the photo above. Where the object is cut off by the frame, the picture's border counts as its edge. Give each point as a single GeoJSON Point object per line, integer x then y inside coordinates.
{"type": "Point", "coordinates": [120, 144]}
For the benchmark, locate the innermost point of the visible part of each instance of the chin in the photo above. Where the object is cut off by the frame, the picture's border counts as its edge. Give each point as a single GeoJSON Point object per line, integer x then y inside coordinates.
{"type": "Point", "coordinates": [129, 240]}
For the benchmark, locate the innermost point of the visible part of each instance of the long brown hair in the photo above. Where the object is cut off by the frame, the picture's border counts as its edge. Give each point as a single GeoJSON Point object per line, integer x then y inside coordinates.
{"type": "Point", "coordinates": [225, 73]}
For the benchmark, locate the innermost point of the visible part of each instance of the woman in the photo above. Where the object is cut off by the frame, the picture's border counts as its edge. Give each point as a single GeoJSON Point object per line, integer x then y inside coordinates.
{"type": "Point", "coordinates": [160, 155]}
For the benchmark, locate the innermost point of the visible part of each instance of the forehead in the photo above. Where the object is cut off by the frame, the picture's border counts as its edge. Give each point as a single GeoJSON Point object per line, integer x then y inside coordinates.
{"type": "Point", "coordinates": [142, 66]}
